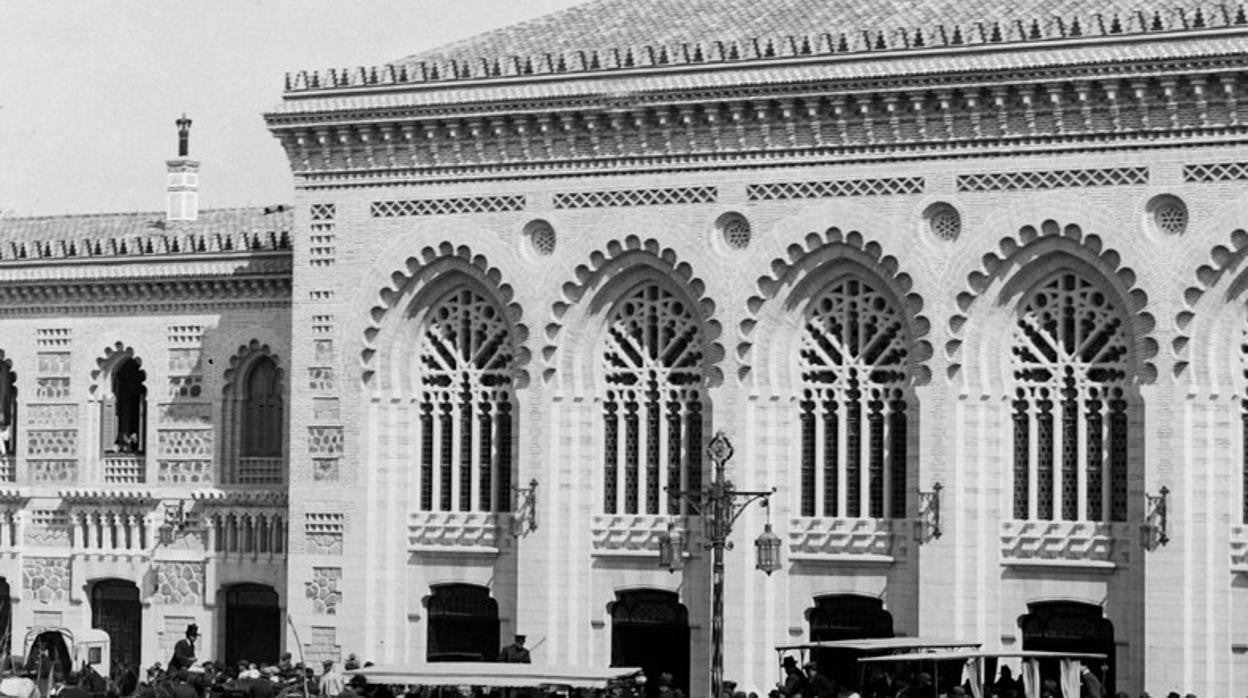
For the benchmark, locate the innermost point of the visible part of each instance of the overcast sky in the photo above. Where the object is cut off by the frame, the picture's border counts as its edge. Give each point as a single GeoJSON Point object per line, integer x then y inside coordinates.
{"type": "Point", "coordinates": [89, 89]}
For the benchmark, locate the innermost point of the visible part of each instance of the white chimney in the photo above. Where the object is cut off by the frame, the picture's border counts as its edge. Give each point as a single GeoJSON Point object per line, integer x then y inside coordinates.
{"type": "Point", "coordinates": [183, 188]}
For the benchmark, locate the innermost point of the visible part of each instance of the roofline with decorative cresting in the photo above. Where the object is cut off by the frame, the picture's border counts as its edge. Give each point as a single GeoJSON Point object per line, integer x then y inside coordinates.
{"type": "Point", "coordinates": [560, 61]}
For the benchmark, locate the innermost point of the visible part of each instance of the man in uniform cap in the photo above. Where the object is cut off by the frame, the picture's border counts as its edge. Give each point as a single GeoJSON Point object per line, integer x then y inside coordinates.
{"type": "Point", "coordinates": [515, 653]}
{"type": "Point", "coordinates": [184, 651]}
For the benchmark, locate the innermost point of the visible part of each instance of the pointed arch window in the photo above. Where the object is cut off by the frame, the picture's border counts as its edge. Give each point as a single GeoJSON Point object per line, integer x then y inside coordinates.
{"type": "Point", "coordinates": [8, 410]}
{"type": "Point", "coordinates": [853, 359]}
{"type": "Point", "coordinates": [652, 414]}
{"type": "Point", "coordinates": [1071, 447]}
{"type": "Point", "coordinates": [262, 411]}
{"type": "Point", "coordinates": [124, 410]}
{"type": "Point", "coordinates": [465, 363]}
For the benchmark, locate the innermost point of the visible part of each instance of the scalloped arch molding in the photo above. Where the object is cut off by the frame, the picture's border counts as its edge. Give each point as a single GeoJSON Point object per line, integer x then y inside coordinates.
{"type": "Point", "coordinates": [1224, 260]}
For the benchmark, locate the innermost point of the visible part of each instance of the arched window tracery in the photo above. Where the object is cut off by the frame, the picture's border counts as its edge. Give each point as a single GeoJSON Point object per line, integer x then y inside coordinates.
{"type": "Point", "coordinates": [465, 361]}
{"type": "Point", "coordinates": [653, 411]}
{"type": "Point", "coordinates": [1071, 365]}
{"type": "Point", "coordinates": [853, 359]}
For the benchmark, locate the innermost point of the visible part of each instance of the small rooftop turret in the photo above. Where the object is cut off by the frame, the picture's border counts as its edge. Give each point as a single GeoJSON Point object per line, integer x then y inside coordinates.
{"type": "Point", "coordinates": [183, 187]}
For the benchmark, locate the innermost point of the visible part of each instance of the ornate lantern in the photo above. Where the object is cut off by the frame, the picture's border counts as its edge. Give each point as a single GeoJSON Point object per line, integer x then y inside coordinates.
{"type": "Point", "coordinates": [767, 551]}
{"type": "Point", "coordinates": [672, 549]}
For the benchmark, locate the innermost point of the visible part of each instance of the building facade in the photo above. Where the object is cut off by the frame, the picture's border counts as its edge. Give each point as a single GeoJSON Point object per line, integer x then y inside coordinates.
{"type": "Point", "coordinates": [964, 284]}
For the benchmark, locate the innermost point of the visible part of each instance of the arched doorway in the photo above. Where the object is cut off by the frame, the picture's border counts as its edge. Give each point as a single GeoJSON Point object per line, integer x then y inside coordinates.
{"type": "Point", "coordinates": [253, 624]}
{"type": "Point", "coordinates": [115, 609]}
{"type": "Point", "coordinates": [650, 629]}
{"type": "Point", "coordinates": [846, 617]}
{"type": "Point", "coordinates": [1069, 626]}
{"type": "Point", "coordinates": [463, 624]}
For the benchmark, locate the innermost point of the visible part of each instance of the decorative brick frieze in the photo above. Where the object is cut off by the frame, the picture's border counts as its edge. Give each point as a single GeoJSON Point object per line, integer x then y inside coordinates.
{"type": "Point", "coordinates": [453, 530]}
{"type": "Point", "coordinates": [441, 207]}
{"type": "Point", "coordinates": [322, 245]}
{"type": "Point", "coordinates": [1215, 172]}
{"type": "Point", "coordinates": [320, 295]}
{"type": "Point", "coordinates": [47, 527]}
{"type": "Point", "coordinates": [104, 296]}
{"type": "Point", "coordinates": [322, 324]}
{"type": "Point", "coordinates": [1076, 543]}
{"type": "Point", "coordinates": [1239, 549]}
{"type": "Point", "coordinates": [324, 533]}
{"type": "Point", "coordinates": [888, 186]}
{"type": "Point", "coordinates": [186, 387]}
{"type": "Point", "coordinates": [321, 379]}
{"type": "Point", "coordinates": [185, 335]}
{"type": "Point", "coordinates": [324, 590]}
{"type": "Point", "coordinates": [1053, 179]}
{"type": "Point", "coordinates": [125, 469]}
{"type": "Point", "coordinates": [186, 360]}
{"type": "Point", "coordinates": [177, 583]}
{"type": "Point", "coordinates": [636, 197]}
{"type": "Point", "coordinates": [145, 246]}
{"type": "Point", "coordinates": [326, 409]}
{"type": "Point", "coordinates": [186, 413]}
{"type": "Point", "coordinates": [45, 579]}
{"type": "Point", "coordinates": [325, 469]}
{"type": "Point", "coordinates": [815, 538]}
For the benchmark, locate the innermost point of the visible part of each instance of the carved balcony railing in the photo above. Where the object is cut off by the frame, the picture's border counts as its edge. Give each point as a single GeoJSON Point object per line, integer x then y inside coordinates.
{"type": "Point", "coordinates": [259, 471]}
{"type": "Point", "coordinates": [125, 469]}
{"type": "Point", "coordinates": [816, 539]}
{"type": "Point", "coordinates": [1239, 549]}
{"type": "Point", "coordinates": [629, 535]}
{"type": "Point", "coordinates": [1088, 544]}
{"type": "Point", "coordinates": [8, 469]}
{"type": "Point", "coordinates": [455, 532]}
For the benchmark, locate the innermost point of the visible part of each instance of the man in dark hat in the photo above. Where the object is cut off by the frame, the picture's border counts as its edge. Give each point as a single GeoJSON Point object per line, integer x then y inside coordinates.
{"type": "Point", "coordinates": [184, 651]}
{"type": "Point", "coordinates": [515, 653]}
{"type": "Point", "coordinates": [794, 683]}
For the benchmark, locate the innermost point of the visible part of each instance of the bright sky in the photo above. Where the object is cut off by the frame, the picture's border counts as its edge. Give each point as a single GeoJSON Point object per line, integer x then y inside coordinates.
{"type": "Point", "coordinates": [89, 90]}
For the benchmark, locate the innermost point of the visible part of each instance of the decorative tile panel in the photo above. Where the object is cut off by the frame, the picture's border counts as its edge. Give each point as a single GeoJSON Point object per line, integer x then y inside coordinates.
{"type": "Point", "coordinates": [52, 416]}
{"type": "Point", "coordinates": [321, 379]}
{"type": "Point", "coordinates": [47, 527]}
{"type": "Point", "coordinates": [185, 442]}
{"type": "Point", "coordinates": [186, 360]}
{"type": "Point", "coordinates": [325, 469]}
{"type": "Point", "coordinates": [320, 296]}
{"type": "Point", "coordinates": [51, 442]}
{"type": "Point", "coordinates": [52, 336]}
{"type": "Point", "coordinates": [186, 387]}
{"type": "Point", "coordinates": [322, 324]}
{"type": "Point", "coordinates": [628, 532]}
{"type": "Point", "coordinates": [51, 388]}
{"type": "Point", "coordinates": [1038, 542]}
{"type": "Point", "coordinates": [184, 472]}
{"type": "Point", "coordinates": [177, 583]}
{"type": "Point", "coordinates": [45, 579]}
{"type": "Point", "coordinates": [1053, 179]}
{"type": "Point", "coordinates": [1216, 172]}
{"type": "Point", "coordinates": [125, 469]}
{"type": "Point", "coordinates": [439, 207]}
{"type": "Point", "coordinates": [325, 441]}
{"type": "Point", "coordinates": [636, 197]}
{"type": "Point", "coordinates": [187, 413]}
{"type": "Point", "coordinates": [818, 537]}
{"type": "Point", "coordinates": [453, 529]}
{"type": "Point", "coordinates": [1239, 549]}
{"type": "Point", "coordinates": [889, 186]}
{"type": "Point", "coordinates": [322, 245]}
{"type": "Point", "coordinates": [324, 590]}
{"type": "Point", "coordinates": [52, 363]}
{"type": "Point", "coordinates": [185, 334]}
{"type": "Point", "coordinates": [60, 471]}
{"type": "Point", "coordinates": [323, 212]}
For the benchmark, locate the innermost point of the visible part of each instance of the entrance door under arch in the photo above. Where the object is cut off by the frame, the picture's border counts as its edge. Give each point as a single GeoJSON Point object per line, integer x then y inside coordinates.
{"type": "Point", "coordinates": [846, 617]}
{"type": "Point", "coordinates": [253, 624]}
{"type": "Point", "coordinates": [1069, 626]}
{"type": "Point", "coordinates": [115, 609]}
{"type": "Point", "coordinates": [463, 624]}
{"type": "Point", "coordinates": [650, 629]}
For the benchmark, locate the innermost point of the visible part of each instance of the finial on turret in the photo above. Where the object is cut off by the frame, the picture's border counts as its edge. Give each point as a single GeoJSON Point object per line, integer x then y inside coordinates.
{"type": "Point", "coordinates": [184, 136]}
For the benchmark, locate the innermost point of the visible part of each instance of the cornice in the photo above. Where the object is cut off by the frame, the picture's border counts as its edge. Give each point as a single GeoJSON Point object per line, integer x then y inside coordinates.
{"type": "Point", "coordinates": [205, 265]}
{"type": "Point", "coordinates": [123, 296]}
{"type": "Point", "coordinates": [219, 497]}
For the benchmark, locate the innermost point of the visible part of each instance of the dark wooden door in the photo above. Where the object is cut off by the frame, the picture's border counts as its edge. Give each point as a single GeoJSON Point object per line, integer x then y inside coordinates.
{"type": "Point", "coordinates": [650, 629]}
{"type": "Point", "coordinates": [115, 609]}
{"type": "Point", "coordinates": [1070, 626]}
{"type": "Point", "coordinates": [253, 624]}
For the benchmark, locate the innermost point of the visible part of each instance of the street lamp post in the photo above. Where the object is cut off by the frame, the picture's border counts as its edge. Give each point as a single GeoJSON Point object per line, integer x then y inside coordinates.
{"type": "Point", "coordinates": [719, 506]}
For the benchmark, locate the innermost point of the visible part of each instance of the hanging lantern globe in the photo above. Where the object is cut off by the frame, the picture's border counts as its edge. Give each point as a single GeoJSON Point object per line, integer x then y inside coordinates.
{"type": "Point", "coordinates": [767, 551]}
{"type": "Point", "coordinates": [671, 550]}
